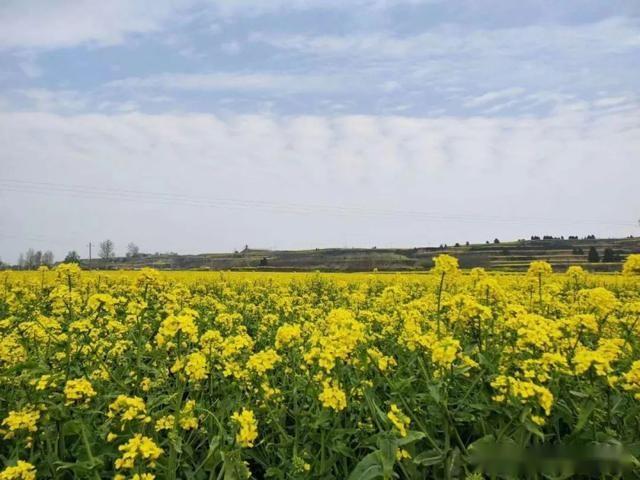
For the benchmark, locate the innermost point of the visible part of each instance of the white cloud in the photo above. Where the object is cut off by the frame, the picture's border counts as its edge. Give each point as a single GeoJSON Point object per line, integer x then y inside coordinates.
{"type": "Point", "coordinates": [46, 100]}
{"type": "Point", "coordinates": [258, 7]}
{"type": "Point", "coordinates": [574, 164]}
{"type": "Point", "coordinates": [608, 36]}
{"type": "Point", "coordinates": [50, 24]}
{"type": "Point", "coordinates": [234, 82]}
{"type": "Point", "coordinates": [67, 23]}
{"type": "Point", "coordinates": [611, 101]}
{"type": "Point", "coordinates": [231, 48]}
{"type": "Point", "coordinates": [491, 97]}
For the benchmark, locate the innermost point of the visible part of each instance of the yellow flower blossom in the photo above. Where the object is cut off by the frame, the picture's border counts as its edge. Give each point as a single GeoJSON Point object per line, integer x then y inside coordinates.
{"type": "Point", "coordinates": [79, 390]}
{"type": "Point", "coordinates": [332, 396]}
{"type": "Point", "coordinates": [25, 419]}
{"type": "Point", "coordinates": [399, 419]}
{"type": "Point", "coordinates": [20, 471]}
{"type": "Point", "coordinates": [138, 447]}
{"type": "Point", "coordinates": [248, 431]}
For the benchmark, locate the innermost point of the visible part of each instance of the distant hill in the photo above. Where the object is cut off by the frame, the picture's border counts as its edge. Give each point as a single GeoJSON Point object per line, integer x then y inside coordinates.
{"type": "Point", "coordinates": [507, 256]}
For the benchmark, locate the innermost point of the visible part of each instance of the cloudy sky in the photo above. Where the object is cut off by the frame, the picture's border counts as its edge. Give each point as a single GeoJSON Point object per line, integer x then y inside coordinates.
{"type": "Point", "coordinates": [205, 125]}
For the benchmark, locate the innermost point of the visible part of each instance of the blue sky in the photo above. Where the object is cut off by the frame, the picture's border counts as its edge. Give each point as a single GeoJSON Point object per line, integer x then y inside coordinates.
{"type": "Point", "coordinates": [316, 122]}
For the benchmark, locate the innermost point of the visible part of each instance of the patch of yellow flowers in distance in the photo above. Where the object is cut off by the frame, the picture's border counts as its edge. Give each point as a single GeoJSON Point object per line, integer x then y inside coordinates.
{"type": "Point", "coordinates": [147, 374]}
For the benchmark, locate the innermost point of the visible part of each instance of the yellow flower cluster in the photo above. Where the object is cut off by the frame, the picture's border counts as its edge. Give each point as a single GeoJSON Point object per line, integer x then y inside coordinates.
{"type": "Point", "coordinates": [25, 419]}
{"type": "Point", "coordinates": [332, 396]}
{"type": "Point", "coordinates": [336, 339]}
{"type": "Point", "coordinates": [445, 264]}
{"type": "Point", "coordinates": [399, 419]}
{"type": "Point", "coordinates": [197, 367]}
{"type": "Point", "coordinates": [178, 325]}
{"type": "Point", "coordinates": [138, 447]}
{"type": "Point", "coordinates": [262, 362]}
{"type": "Point", "coordinates": [631, 379]}
{"type": "Point", "coordinates": [78, 390]}
{"type": "Point", "coordinates": [523, 391]}
{"type": "Point", "coordinates": [128, 409]}
{"type": "Point", "coordinates": [632, 265]}
{"type": "Point", "coordinates": [600, 359]}
{"type": "Point", "coordinates": [287, 334]}
{"type": "Point", "coordinates": [20, 471]}
{"type": "Point", "coordinates": [248, 427]}
{"type": "Point", "coordinates": [444, 351]}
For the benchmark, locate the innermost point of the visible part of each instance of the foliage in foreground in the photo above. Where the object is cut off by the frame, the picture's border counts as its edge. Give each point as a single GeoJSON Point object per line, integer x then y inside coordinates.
{"type": "Point", "coordinates": [146, 375]}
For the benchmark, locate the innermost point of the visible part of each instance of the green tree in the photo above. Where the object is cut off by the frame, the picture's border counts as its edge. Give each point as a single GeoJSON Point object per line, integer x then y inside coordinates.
{"type": "Point", "coordinates": [594, 256]}
{"type": "Point", "coordinates": [72, 257]}
{"type": "Point", "coordinates": [609, 255]}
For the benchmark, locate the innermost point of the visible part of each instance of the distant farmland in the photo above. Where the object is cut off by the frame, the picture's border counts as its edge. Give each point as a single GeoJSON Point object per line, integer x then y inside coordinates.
{"type": "Point", "coordinates": [505, 256]}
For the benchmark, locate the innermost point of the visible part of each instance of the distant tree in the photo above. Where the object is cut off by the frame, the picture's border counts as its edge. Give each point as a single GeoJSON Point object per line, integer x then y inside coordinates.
{"type": "Point", "coordinates": [466, 243]}
{"type": "Point", "coordinates": [47, 258]}
{"type": "Point", "coordinates": [593, 255]}
{"type": "Point", "coordinates": [107, 250]}
{"type": "Point", "coordinates": [495, 240]}
{"type": "Point", "coordinates": [264, 262]}
{"type": "Point", "coordinates": [457, 244]}
{"type": "Point", "coordinates": [21, 261]}
{"type": "Point", "coordinates": [133, 250]}
{"type": "Point", "coordinates": [72, 257]}
{"type": "Point", "coordinates": [609, 255]}
{"type": "Point", "coordinates": [30, 259]}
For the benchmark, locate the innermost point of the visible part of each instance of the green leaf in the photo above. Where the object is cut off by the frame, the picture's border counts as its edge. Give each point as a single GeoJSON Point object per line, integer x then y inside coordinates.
{"type": "Point", "coordinates": [72, 427]}
{"type": "Point", "coordinates": [583, 416]}
{"type": "Point", "coordinates": [428, 458]}
{"type": "Point", "coordinates": [387, 453]}
{"type": "Point", "coordinates": [234, 467]}
{"type": "Point", "coordinates": [342, 449]}
{"type": "Point", "coordinates": [481, 443]}
{"type": "Point", "coordinates": [369, 468]}
{"type": "Point", "coordinates": [434, 391]}
{"type": "Point", "coordinates": [533, 428]}
{"type": "Point", "coordinates": [274, 472]}
{"type": "Point", "coordinates": [412, 436]}
{"type": "Point", "coordinates": [575, 393]}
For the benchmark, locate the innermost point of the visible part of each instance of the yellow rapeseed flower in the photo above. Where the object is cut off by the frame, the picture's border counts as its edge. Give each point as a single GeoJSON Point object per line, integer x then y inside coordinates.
{"type": "Point", "coordinates": [78, 390]}
{"type": "Point", "coordinates": [20, 471]}
{"type": "Point", "coordinates": [399, 419]}
{"type": "Point", "coordinates": [248, 431]}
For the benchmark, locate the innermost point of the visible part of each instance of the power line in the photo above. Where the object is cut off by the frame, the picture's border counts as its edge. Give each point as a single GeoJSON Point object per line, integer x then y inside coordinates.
{"type": "Point", "coordinates": [167, 198]}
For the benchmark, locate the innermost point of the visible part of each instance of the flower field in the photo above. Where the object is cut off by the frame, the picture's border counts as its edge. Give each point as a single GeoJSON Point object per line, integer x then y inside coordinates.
{"type": "Point", "coordinates": [444, 374]}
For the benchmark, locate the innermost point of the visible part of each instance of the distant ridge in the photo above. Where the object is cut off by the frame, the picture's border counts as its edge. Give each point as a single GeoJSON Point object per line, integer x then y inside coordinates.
{"type": "Point", "coordinates": [503, 256]}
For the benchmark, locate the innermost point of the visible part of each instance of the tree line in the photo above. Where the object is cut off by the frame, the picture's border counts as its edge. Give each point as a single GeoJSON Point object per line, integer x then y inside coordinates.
{"type": "Point", "coordinates": [33, 259]}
